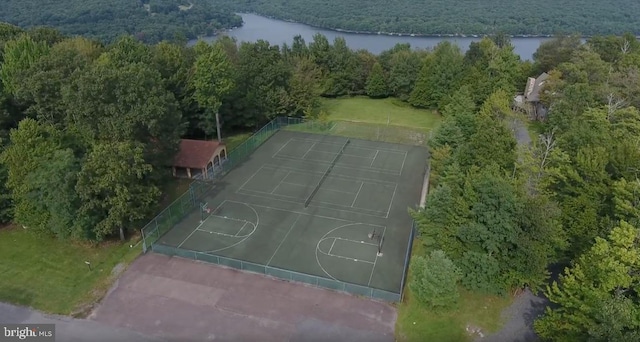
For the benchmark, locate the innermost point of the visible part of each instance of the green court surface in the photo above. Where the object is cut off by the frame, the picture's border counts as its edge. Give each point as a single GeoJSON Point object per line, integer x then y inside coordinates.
{"type": "Point", "coordinates": [257, 212]}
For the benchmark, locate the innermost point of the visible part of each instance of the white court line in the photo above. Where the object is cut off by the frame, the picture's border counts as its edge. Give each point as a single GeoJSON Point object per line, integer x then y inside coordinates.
{"type": "Point", "coordinates": [332, 244]}
{"type": "Point", "coordinates": [200, 225]}
{"type": "Point", "coordinates": [282, 241]}
{"type": "Point", "coordinates": [280, 183]}
{"type": "Point", "coordinates": [253, 175]}
{"type": "Point", "coordinates": [274, 196]}
{"type": "Point", "coordinates": [356, 241]}
{"type": "Point", "coordinates": [368, 169]}
{"type": "Point", "coordinates": [374, 213]}
{"type": "Point", "coordinates": [241, 228]}
{"type": "Point", "coordinates": [376, 260]}
{"type": "Point", "coordinates": [309, 150]}
{"type": "Point", "coordinates": [347, 258]}
{"type": "Point", "coordinates": [224, 218]}
{"type": "Point", "coordinates": [403, 160]}
{"type": "Point", "coordinates": [391, 203]}
{"type": "Point", "coordinates": [301, 213]}
{"type": "Point", "coordinates": [306, 172]}
{"type": "Point", "coordinates": [229, 218]}
{"type": "Point", "coordinates": [283, 146]}
{"type": "Point", "coordinates": [305, 185]}
{"type": "Point", "coordinates": [344, 154]}
{"type": "Point", "coordinates": [217, 233]}
{"type": "Point", "coordinates": [352, 145]}
{"type": "Point", "coordinates": [357, 194]}
{"type": "Point", "coordinates": [374, 158]}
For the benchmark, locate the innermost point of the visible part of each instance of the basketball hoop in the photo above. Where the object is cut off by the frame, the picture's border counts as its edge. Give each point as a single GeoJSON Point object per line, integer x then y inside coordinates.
{"type": "Point", "coordinates": [208, 210]}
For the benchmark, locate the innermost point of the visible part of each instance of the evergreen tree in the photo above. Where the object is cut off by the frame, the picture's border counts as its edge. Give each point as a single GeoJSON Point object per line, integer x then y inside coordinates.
{"type": "Point", "coordinates": [435, 280]}
{"type": "Point", "coordinates": [377, 84]}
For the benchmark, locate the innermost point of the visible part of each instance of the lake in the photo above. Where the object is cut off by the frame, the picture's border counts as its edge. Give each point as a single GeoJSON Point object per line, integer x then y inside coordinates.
{"type": "Point", "coordinates": [278, 32]}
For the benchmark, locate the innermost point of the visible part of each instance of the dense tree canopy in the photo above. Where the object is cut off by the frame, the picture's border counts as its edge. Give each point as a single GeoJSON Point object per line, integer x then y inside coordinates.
{"type": "Point", "coordinates": [517, 17]}
{"type": "Point", "coordinates": [504, 213]}
{"type": "Point", "coordinates": [149, 20]}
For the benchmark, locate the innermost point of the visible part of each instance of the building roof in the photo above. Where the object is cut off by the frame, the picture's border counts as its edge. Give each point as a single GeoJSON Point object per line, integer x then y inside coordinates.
{"type": "Point", "coordinates": [195, 154]}
{"type": "Point", "coordinates": [534, 85]}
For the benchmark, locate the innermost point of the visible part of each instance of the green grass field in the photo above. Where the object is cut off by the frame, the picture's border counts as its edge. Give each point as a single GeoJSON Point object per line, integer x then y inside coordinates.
{"type": "Point", "coordinates": [378, 111]}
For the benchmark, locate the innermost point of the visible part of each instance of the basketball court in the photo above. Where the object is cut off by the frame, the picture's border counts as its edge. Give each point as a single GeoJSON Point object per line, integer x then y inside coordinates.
{"type": "Point", "coordinates": [317, 205]}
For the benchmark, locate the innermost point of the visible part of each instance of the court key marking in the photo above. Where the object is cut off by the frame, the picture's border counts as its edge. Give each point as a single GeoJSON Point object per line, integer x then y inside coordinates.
{"type": "Point", "coordinates": [245, 237]}
{"type": "Point", "coordinates": [325, 237]}
{"type": "Point", "coordinates": [200, 225]}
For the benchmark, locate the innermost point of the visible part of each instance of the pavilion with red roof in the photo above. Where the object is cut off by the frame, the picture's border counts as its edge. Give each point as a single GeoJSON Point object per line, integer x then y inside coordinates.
{"type": "Point", "coordinates": [195, 157]}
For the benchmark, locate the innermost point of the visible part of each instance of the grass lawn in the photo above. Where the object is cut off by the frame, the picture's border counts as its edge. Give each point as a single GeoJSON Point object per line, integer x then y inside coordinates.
{"type": "Point", "coordinates": [235, 140]}
{"type": "Point", "coordinates": [475, 310]}
{"type": "Point", "coordinates": [51, 275]}
{"type": "Point", "coordinates": [364, 109]}
{"type": "Point", "coordinates": [416, 323]}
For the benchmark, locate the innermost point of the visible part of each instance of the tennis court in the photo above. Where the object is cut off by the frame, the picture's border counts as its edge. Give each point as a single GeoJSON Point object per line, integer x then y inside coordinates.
{"type": "Point", "coordinates": [318, 205]}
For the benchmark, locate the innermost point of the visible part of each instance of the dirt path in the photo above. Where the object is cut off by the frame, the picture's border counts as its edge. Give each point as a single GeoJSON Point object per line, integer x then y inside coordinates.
{"type": "Point", "coordinates": [518, 318]}
{"type": "Point", "coordinates": [179, 299]}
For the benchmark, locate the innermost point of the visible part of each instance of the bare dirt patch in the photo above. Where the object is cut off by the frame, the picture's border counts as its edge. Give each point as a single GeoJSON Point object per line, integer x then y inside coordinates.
{"type": "Point", "coordinates": [179, 299]}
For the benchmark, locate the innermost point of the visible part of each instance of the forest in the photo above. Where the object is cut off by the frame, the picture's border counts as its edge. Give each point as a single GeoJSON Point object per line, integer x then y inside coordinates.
{"type": "Point", "coordinates": [435, 17]}
{"type": "Point", "coordinates": [151, 21]}
{"type": "Point", "coordinates": [88, 131]}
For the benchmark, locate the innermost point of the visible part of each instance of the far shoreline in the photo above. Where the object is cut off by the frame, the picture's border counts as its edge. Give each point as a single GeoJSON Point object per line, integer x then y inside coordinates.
{"type": "Point", "coordinates": [400, 34]}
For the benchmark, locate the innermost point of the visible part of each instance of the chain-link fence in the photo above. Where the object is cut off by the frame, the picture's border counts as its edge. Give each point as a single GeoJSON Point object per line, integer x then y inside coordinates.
{"type": "Point", "coordinates": [360, 130]}
{"type": "Point", "coordinates": [279, 273]}
{"type": "Point", "coordinates": [202, 184]}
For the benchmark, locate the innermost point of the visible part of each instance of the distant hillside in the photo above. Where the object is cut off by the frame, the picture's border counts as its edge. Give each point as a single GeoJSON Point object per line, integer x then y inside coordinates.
{"type": "Point", "coordinates": [517, 17]}
{"type": "Point", "coordinates": [149, 20]}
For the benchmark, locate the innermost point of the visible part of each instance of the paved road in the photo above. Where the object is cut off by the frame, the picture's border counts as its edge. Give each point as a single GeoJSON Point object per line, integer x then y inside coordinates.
{"type": "Point", "coordinates": [521, 132]}
{"type": "Point", "coordinates": [70, 329]}
{"type": "Point", "coordinates": [519, 318]}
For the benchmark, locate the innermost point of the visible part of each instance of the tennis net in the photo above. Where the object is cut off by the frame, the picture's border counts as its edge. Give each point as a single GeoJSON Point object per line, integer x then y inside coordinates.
{"type": "Point", "coordinates": [326, 173]}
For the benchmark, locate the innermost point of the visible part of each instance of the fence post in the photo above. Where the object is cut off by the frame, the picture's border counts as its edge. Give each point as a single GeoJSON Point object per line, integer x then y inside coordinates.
{"type": "Point", "coordinates": [191, 195]}
{"type": "Point", "coordinates": [144, 241]}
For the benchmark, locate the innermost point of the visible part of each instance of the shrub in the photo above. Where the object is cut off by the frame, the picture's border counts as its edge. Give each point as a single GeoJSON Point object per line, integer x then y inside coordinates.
{"type": "Point", "coordinates": [435, 280]}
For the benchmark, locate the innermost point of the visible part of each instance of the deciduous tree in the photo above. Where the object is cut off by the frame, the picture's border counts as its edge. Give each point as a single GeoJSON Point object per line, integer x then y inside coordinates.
{"type": "Point", "coordinates": [115, 187]}
{"type": "Point", "coordinates": [212, 81]}
{"type": "Point", "coordinates": [18, 56]}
